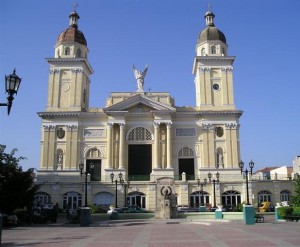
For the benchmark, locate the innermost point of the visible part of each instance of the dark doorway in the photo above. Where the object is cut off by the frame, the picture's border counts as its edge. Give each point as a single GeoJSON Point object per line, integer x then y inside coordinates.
{"type": "Point", "coordinates": [96, 172]}
{"type": "Point", "coordinates": [187, 166]}
{"type": "Point", "coordinates": [139, 162]}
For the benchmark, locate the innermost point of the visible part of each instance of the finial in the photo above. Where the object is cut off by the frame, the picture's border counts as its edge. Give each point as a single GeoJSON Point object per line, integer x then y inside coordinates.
{"type": "Point", "coordinates": [75, 5]}
{"type": "Point", "coordinates": [208, 7]}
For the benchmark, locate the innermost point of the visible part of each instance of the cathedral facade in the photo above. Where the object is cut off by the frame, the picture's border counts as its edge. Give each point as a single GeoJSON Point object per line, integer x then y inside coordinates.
{"type": "Point", "coordinates": [143, 137]}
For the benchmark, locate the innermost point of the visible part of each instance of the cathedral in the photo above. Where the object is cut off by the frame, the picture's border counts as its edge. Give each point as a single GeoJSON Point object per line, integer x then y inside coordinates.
{"type": "Point", "coordinates": [137, 140]}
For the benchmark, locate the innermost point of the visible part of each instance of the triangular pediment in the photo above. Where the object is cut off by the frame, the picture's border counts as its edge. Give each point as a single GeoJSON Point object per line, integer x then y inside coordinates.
{"type": "Point", "coordinates": [139, 103]}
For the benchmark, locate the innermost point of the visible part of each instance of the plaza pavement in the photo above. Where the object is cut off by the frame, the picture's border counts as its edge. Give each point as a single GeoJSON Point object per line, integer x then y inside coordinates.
{"type": "Point", "coordinates": [155, 233]}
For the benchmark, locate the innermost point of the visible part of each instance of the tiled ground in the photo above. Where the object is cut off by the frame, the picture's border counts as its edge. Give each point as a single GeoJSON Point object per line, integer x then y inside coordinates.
{"type": "Point", "coordinates": [156, 234]}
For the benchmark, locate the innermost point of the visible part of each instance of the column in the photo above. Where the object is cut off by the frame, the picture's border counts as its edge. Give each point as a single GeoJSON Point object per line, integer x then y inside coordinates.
{"type": "Point", "coordinates": [109, 144]}
{"type": "Point", "coordinates": [156, 146]}
{"type": "Point", "coordinates": [169, 145]}
{"type": "Point", "coordinates": [121, 146]}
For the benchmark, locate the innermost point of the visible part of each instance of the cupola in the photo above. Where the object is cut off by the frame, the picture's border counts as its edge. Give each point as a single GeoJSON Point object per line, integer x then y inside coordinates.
{"type": "Point", "coordinates": [211, 41]}
{"type": "Point", "coordinates": [71, 42]}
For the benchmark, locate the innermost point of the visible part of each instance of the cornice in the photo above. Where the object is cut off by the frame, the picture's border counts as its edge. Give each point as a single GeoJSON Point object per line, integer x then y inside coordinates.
{"type": "Point", "coordinates": [209, 113]}
{"type": "Point", "coordinates": [205, 58]}
{"type": "Point", "coordinates": [70, 60]}
{"type": "Point", "coordinates": [68, 114]}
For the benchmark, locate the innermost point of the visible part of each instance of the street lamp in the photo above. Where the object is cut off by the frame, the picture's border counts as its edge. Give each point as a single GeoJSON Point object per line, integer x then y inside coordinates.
{"type": "Point", "coordinates": [12, 83]}
{"type": "Point", "coordinates": [214, 183]}
{"type": "Point", "coordinates": [81, 166]}
{"type": "Point", "coordinates": [125, 185]}
{"type": "Point", "coordinates": [251, 165]}
{"type": "Point", "coordinates": [116, 182]}
{"type": "Point", "coordinates": [201, 185]}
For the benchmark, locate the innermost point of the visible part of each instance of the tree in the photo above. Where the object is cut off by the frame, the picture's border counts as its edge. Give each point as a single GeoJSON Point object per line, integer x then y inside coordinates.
{"type": "Point", "coordinates": [17, 188]}
{"type": "Point", "coordinates": [295, 200]}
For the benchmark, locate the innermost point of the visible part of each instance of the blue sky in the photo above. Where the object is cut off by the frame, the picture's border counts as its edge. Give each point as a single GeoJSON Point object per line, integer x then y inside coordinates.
{"type": "Point", "coordinates": [263, 35]}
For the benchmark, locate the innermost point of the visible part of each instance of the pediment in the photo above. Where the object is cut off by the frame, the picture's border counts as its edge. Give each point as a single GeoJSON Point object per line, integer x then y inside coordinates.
{"type": "Point", "coordinates": [139, 103]}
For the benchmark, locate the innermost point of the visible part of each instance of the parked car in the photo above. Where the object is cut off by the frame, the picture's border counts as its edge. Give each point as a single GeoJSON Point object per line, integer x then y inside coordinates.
{"type": "Point", "coordinates": [134, 209]}
{"type": "Point", "coordinates": [185, 208]}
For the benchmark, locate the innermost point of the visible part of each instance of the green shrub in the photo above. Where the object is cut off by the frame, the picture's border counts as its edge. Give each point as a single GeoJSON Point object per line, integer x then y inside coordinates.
{"type": "Point", "coordinates": [238, 208]}
{"type": "Point", "coordinates": [296, 211]}
{"type": "Point", "coordinates": [285, 211]}
{"type": "Point", "coordinates": [96, 209]}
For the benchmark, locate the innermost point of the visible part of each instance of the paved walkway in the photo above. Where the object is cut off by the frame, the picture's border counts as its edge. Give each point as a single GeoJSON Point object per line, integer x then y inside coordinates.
{"type": "Point", "coordinates": [153, 233]}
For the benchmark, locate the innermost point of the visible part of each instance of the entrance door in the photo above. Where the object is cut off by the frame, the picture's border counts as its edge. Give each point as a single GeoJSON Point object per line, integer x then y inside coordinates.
{"type": "Point", "coordinates": [187, 166]}
{"type": "Point", "coordinates": [139, 161]}
{"type": "Point", "coordinates": [96, 172]}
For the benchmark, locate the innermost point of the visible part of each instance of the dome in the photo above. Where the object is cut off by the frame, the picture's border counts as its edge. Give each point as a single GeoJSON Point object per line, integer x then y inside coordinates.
{"type": "Point", "coordinates": [210, 32]}
{"type": "Point", "coordinates": [72, 34]}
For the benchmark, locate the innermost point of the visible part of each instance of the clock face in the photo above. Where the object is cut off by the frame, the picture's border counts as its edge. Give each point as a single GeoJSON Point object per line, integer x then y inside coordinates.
{"type": "Point", "coordinates": [216, 86]}
{"type": "Point", "coordinates": [219, 131]}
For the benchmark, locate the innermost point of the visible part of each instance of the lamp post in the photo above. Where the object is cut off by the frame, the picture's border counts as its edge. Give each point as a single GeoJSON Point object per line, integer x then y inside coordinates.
{"type": "Point", "coordinates": [214, 183]}
{"type": "Point", "coordinates": [81, 166]}
{"type": "Point", "coordinates": [116, 182]}
{"type": "Point", "coordinates": [125, 185]}
{"type": "Point", "coordinates": [251, 165]}
{"type": "Point", "coordinates": [201, 185]}
{"type": "Point", "coordinates": [12, 83]}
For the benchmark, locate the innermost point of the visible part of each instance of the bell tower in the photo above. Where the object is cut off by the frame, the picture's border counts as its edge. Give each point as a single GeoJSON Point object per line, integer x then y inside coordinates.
{"type": "Point", "coordinates": [213, 69]}
{"type": "Point", "coordinates": [69, 72]}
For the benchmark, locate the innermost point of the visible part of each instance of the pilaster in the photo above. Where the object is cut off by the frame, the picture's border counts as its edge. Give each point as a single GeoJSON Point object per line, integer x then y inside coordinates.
{"type": "Point", "coordinates": [109, 145]}
{"type": "Point", "coordinates": [122, 145]}
{"type": "Point", "coordinates": [169, 145]}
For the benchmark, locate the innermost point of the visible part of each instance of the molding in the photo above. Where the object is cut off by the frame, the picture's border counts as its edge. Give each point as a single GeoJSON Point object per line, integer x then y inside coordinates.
{"type": "Point", "coordinates": [227, 69]}
{"type": "Point", "coordinates": [73, 61]}
{"type": "Point", "coordinates": [204, 69]}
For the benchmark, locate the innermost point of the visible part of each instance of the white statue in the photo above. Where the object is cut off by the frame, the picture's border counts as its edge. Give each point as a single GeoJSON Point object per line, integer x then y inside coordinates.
{"type": "Point", "coordinates": [140, 76]}
{"type": "Point", "coordinates": [59, 161]}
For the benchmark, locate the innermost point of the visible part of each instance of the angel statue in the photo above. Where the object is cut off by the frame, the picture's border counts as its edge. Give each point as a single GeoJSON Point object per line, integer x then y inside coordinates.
{"type": "Point", "coordinates": [140, 76]}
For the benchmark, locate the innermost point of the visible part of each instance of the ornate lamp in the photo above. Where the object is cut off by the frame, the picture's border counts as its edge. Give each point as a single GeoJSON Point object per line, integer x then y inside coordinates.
{"type": "Point", "coordinates": [12, 84]}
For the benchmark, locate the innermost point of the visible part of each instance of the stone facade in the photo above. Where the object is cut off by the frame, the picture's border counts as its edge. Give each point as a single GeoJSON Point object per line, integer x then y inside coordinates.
{"type": "Point", "coordinates": [143, 136]}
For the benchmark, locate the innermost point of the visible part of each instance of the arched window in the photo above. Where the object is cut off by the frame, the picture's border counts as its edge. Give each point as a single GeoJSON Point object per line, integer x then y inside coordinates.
{"type": "Point", "coordinates": [263, 196]}
{"type": "Point", "coordinates": [72, 200]}
{"type": "Point", "coordinates": [78, 53]}
{"type": "Point", "coordinates": [231, 198]}
{"type": "Point", "coordinates": [199, 198]}
{"type": "Point", "coordinates": [84, 96]}
{"type": "Point", "coordinates": [67, 51]}
{"type": "Point", "coordinates": [93, 153]}
{"type": "Point", "coordinates": [285, 195]}
{"type": "Point", "coordinates": [203, 52]}
{"type": "Point", "coordinates": [213, 49]}
{"type": "Point", "coordinates": [186, 152]}
{"type": "Point", "coordinates": [42, 198]}
{"type": "Point", "coordinates": [136, 198]}
{"type": "Point", "coordinates": [139, 134]}
{"type": "Point", "coordinates": [103, 199]}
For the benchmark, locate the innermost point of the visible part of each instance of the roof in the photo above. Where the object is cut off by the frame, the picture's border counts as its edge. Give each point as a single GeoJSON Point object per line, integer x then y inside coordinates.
{"type": "Point", "coordinates": [72, 33]}
{"type": "Point", "coordinates": [211, 33]}
{"type": "Point", "coordinates": [267, 169]}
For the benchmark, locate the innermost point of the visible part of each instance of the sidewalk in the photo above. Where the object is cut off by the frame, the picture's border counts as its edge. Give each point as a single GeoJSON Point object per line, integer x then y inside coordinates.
{"type": "Point", "coordinates": [154, 233]}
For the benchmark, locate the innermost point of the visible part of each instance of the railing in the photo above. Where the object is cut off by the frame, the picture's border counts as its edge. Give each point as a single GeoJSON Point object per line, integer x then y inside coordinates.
{"type": "Point", "coordinates": [139, 177]}
{"type": "Point", "coordinates": [178, 177]}
{"type": "Point", "coordinates": [190, 177]}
